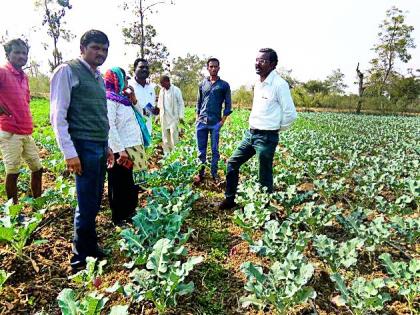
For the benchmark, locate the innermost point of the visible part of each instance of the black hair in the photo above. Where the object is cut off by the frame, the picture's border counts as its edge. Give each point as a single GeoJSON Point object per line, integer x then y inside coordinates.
{"type": "Point", "coordinates": [136, 62]}
{"type": "Point", "coordinates": [214, 60]}
{"type": "Point", "coordinates": [165, 78]}
{"type": "Point", "coordinates": [272, 55]}
{"type": "Point", "coordinates": [94, 36]}
{"type": "Point", "coordinates": [8, 47]}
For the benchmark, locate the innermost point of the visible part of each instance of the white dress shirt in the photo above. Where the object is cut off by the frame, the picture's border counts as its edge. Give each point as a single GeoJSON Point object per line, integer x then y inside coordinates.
{"type": "Point", "coordinates": [272, 107]}
{"type": "Point", "coordinates": [124, 131]}
{"type": "Point", "coordinates": [144, 96]}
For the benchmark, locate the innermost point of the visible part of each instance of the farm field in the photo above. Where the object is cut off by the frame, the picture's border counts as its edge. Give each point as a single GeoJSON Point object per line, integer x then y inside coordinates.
{"type": "Point", "coordinates": [340, 234]}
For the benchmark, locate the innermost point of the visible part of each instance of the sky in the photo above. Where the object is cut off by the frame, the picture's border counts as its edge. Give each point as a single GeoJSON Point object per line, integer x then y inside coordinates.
{"type": "Point", "coordinates": [311, 37]}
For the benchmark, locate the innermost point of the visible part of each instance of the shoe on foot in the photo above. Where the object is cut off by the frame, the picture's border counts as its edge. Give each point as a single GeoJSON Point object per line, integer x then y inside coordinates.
{"type": "Point", "coordinates": [77, 265]}
{"type": "Point", "coordinates": [227, 204]}
{"type": "Point", "coordinates": [100, 253]}
{"type": "Point", "coordinates": [198, 179]}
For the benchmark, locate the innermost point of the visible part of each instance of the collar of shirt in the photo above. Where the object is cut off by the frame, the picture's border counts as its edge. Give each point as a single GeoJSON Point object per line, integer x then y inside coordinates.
{"type": "Point", "coordinates": [209, 79]}
{"type": "Point", "coordinates": [13, 70]}
{"type": "Point", "coordinates": [96, 72]}
{"type": "Point", "coordinates": [268, 80]}
{"type": "Point", "coordinates": [146, 86]}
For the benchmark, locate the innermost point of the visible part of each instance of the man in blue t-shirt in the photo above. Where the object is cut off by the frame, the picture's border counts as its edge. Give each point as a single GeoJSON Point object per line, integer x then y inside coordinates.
{"type": "Point", "coordinates": [212, 93]}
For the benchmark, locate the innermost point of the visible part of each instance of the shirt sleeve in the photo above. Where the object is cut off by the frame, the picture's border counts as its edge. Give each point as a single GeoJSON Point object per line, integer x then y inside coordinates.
{"type": "Point", "coordinates": [114, 139]}
{"type": "Point", "coordinates": [60, 97]}
{"type": "Point", "coordinates": [181, 104]}
{"type": "Point", "coordinates": [228, 101]}
{"type": "Point", "coordinates": [199, 99]}
{"type": "Point", "coordinates": [288, 109]}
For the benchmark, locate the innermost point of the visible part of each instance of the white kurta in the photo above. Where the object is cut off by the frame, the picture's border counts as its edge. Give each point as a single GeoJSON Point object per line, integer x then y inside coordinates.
{"type": "Point", "coordinates": [171, 106]}
{"type": "Point", "coordinates": [144, 95]}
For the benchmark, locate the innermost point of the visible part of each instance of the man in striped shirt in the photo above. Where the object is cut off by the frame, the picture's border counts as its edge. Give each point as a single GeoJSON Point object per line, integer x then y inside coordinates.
{"type": "Point", "coordinates": [16, 142]}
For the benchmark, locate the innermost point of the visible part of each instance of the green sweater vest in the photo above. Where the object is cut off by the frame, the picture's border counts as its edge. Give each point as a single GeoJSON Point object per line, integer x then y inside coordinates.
{"type": "Point", "coordinates": [87, 114]}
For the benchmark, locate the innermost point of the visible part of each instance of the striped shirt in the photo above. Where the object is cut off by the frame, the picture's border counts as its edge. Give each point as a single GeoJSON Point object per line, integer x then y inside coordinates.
{"type": "Point", "coordinates": [14, 98]}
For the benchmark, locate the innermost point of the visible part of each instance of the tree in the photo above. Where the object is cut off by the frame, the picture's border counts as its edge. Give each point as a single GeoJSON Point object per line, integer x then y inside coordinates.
{"type": "Point", "coordinates": [335, 82]}
{"type": "Point", "coordinates": [394, 42]}
{"type": "Point", "coordinates": [404, 90]}
{"type": "Point", "coordinates": [143, 35]}
{"type": "Point", "coordinates": [242, 96]}
{"type": "Point", "coordinates": [316, 86]}
{"type": "Point", "coordinates": [287, 75]}
{"type": "Point", "coordinates": [187, 73]}
{"type": "Point", "coordinates": [54, 12]}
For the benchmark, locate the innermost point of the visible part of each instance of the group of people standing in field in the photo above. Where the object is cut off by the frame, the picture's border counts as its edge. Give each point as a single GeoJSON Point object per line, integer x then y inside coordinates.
{"type": "Point", "coordinates": [103, 124]}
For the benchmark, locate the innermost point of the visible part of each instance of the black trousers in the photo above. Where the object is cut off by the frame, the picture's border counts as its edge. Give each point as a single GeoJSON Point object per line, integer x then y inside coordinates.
{"type": "Point", "coordinates": [122, 192]}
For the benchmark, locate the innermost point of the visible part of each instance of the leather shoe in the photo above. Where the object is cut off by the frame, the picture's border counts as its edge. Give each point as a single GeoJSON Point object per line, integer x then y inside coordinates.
{"type": "Point", "coordinates": [100, 253]}
{"type": "Point", "coordinates": [227, 204]}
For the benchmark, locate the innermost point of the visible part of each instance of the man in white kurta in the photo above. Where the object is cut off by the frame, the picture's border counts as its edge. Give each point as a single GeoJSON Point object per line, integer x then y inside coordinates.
{"type": "Point", "coordinates": [171, 106]}
{"type": "Point", "coordinates": [144, 90]}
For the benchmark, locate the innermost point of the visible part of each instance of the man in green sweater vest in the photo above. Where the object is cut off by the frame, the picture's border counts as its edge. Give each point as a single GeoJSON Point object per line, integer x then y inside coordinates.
{"type": "Point", "coordinates": [80, 122]}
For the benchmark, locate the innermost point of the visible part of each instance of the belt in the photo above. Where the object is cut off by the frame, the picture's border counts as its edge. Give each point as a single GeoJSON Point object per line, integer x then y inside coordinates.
{"type": "Point", "coordinates": [258, 131]}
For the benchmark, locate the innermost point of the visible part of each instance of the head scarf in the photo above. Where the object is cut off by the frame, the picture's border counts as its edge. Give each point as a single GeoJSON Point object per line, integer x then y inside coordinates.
{"type": "Point", "coordinates": [114, 84]}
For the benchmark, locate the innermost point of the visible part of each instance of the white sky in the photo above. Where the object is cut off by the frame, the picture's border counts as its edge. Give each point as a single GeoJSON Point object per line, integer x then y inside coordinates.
{"type": "Point", "coordinates": [311, 37]}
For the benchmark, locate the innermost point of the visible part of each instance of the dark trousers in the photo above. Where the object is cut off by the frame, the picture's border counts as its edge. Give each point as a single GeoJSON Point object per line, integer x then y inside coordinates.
{"type": "Point", "coordinates": [261, 143]}
{"type": "Point", "coordinates": [203, 131]}
{"type": "Point", "coordinates": [89, 187]}
{"type": "Point", "coordinates": [122, 192]}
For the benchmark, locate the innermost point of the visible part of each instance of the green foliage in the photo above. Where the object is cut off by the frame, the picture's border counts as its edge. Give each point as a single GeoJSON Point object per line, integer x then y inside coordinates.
{"type": "Point", "coordinates": [409, 228]}
{"type": "Point", "coordinates": [338, 255]}
{"type": "Point", "coordinates": [187, 73]}
{"type": "Point", "coordinates": [139, 33]}
{"type": "Point", "coordinates": [164, 278]}
{"type": "Point", "coordinates": [39, 85]}
{"type": "Point", "coordinates": [256, 210]}
{"type": "Point", "coordinates": [374, 234]}
{"type": "Point", "coordinates": [282, 287]}
{"type": "Point", "coordinates": [3, 277]}
{"type": "Point", "coordinates": [278, 240]}
{"type": "Point", "coordinates": [316, 87]}
{"type": "Point", "coordinates": [362, 295]}
{"type": "Point", "coordinates": [403, 277]}
{"type": "Point", "coordinates": [242, 97]}
{"type": "Point", "coordinates": [91, 304]}
{"type": "Point", "coordinates": [16, 229]}
{"type": "Point", "coordinates": [53, 14]}
{"type": "Point", "coordinates": [87, 277]}
{"type": "Point", "coordinates": [335, 82]}
{"type": "Point", "coordinates": [162, 218]}
{"type": "Point", "coordinates": [394, 43]}
{"type": "Point", "coordinates": [315, 217]}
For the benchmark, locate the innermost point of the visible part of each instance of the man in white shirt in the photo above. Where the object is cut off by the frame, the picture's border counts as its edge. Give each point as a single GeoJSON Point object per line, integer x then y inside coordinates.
{"type": "Point", "coordinates": [144, 91]}
{"type": "Point", "coordinates": [171, 106]}
{"type": "Point", "coordinates": [272, 110]}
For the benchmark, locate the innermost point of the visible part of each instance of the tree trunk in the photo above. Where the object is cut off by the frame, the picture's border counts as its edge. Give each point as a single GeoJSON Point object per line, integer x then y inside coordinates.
{"type": "Point", "coordinates": [141, 29]}
{"type": "Point", "coordinates": [361, 89]}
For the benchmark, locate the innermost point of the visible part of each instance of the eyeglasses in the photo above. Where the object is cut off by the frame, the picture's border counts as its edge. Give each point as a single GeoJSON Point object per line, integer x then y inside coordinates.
{"type": "Point", "coordinates": [262, 61]}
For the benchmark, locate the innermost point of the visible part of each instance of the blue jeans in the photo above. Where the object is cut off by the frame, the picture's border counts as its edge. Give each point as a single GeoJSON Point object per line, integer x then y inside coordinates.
{"type": "Point", "coordinates": [261, 143]}
{"type": "Point", "coordinates": [203, 131]}
{"type": "Point", "coordinates": [89, 187]}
